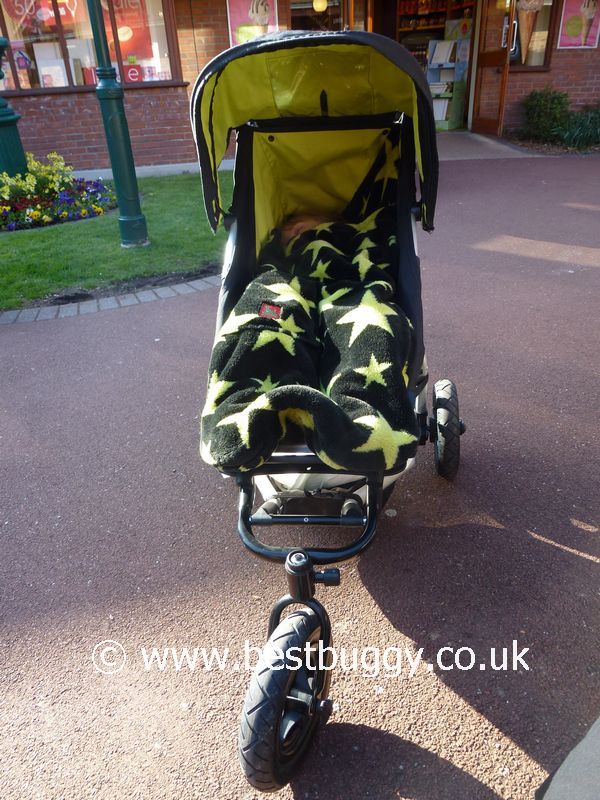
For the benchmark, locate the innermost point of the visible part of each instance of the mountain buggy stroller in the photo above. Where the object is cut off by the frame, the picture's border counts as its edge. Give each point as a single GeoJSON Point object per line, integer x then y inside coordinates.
{"type": "Point", "coordinates": [318, 378]}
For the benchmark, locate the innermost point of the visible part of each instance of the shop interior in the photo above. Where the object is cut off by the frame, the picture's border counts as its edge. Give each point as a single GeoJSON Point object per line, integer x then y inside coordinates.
{"type": "Point", "coordinates": [439, 33]}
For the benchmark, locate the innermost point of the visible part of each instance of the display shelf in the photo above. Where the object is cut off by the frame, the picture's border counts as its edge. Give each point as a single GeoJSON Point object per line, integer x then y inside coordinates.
{"type": "Point", "coordinates": [422, 28]}
{"type": "Point", "coordinates": [450, 75]}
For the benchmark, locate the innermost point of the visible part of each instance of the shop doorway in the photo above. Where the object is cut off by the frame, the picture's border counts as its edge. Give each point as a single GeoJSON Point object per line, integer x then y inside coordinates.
{"type": "Point", "coordinates": [316, 15]}
{"type": "Point", "coordinates": [331, 15]}
{"type": "Point", "coordinates": [497, 37]}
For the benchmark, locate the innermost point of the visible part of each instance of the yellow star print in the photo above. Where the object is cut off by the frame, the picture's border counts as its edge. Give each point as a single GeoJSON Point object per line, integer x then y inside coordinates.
{"type": "Point", "coordinates": [385, 284]}
{"type": "Point", "coordinates": [302, 418]}
{"type": "Point", "coordinates": [405, 374]}
{"type": "Point", "coordinates": [266, 384]}
{"type": "Point", "coordinates": [242, 418]}
{"type": "Point", "coordinates": [205, 453]}
{"type": "Point", "coordinates": [285, 336]}
{"type": "Point", "coordinates": [388, 169]}
{"type": "Point", "coordinates": [327, 390]}
{"type": "Point", "coordinates": [374, 372]}
{"type": "Point", "coordinates": [290, 291]}
{"type": "Point", "coordinates": [367, 224]}
{"type": "Point", "coordinates": [232, 325]}
{"type": "Point", "coordinates": [284, 339]}
{"type": "Point", "coordinates": [320, 273]}
{"type": "Point", "coordinates": [364, 263]}
{"type": "Point", "coordinates": [384, 438]}
{"type": "Point", "coordinates": [216, 388]}
{"type": "Point", "coordinates": [369, 312]}
{"type": "Point", "coordinates": [316, 246]}
{"type": "Point", "coordinates": [323, 226]}
{"type": "Point", "coordinates": [329, 299]}
{"type": "Point", "coordinates": [366, 243]}
{"type": "Point", "coordinates": [329, 461]}
{"type": "Point", "coordinates": [289, 325]}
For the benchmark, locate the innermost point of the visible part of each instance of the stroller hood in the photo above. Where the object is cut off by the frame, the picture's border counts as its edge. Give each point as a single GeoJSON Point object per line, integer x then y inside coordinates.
{"type": "Point", "coordinates": [301, 75]}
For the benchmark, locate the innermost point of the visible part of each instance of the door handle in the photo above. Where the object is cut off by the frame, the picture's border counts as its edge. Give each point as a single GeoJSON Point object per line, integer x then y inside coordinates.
{"type": "Point", "coordinates": [513, 44]}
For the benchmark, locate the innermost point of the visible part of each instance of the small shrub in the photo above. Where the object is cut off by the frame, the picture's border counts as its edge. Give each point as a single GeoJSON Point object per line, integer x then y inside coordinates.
{"type": "Point", "coordinates": [582, 129]}
{"type": "Point", "coordinates": [48, 194]}
{"type": "Point", "coordinates": [546, 110]}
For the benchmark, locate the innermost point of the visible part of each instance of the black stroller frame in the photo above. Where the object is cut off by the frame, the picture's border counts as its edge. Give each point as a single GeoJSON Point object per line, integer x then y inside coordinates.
{"type": "Point", "coordinates": [283, 706]}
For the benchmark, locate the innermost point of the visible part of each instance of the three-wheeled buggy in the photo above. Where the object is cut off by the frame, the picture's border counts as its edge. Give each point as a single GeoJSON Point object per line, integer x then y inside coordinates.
{"type": "Point", "coordinates": [326, 123]}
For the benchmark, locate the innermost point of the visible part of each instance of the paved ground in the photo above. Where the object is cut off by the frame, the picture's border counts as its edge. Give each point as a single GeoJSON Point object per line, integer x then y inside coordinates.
{"type": "Point", "coordinates": [112, 529]}
{"type": "Point", "coordinates": [452, 145]}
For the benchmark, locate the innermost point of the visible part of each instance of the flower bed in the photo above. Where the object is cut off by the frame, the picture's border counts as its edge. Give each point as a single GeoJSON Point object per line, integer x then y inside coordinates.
{"type": "Point", "coordinates": [49, 194]}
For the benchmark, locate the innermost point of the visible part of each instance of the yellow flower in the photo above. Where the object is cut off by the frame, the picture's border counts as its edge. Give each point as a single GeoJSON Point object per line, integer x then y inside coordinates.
{"type": "Point", "coordinates": [84, 212]}
{"type": "Point", "coordinates": [46, 219]}
{"type": "Point", "coordinates": [63, 215]}
{"type": "Point", "coordinates": [35, 215]}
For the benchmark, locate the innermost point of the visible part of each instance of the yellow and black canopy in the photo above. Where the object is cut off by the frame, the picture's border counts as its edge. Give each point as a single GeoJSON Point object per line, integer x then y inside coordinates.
{"type": "Point", "coordinates": [299, 76]}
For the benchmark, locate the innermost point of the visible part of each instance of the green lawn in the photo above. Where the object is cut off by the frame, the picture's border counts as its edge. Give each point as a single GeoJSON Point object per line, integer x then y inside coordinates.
{"type": "Point", "coordinates": [88, 254]}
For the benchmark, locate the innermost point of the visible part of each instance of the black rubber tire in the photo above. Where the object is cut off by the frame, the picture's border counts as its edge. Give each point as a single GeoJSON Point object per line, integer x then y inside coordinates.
{"type": "Point", "coordinates": [447, 435]}
{"type": "Point", "coordinates": [263, 760]}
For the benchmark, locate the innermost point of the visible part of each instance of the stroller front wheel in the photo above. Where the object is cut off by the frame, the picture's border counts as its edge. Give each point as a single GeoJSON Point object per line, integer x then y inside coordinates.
{"type": "Point", "coordinates": [285, 700]}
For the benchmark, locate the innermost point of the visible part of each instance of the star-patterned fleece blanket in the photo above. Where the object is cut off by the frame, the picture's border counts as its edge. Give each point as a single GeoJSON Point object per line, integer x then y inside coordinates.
{"type": "Point", "coordinates": [315, 343]}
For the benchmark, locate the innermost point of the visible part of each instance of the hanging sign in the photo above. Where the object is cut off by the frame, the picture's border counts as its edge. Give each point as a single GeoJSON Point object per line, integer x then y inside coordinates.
{"type": "Point", "coordinates": [579, 24]}
{"type": "Point", "coordinates": [250, 18]}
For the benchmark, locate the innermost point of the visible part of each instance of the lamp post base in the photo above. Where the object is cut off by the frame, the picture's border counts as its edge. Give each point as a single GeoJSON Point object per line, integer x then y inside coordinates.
{"type": "Point", "coordinates": [133, 231]}
{"type": "Point", "coordinates": [12, 155]}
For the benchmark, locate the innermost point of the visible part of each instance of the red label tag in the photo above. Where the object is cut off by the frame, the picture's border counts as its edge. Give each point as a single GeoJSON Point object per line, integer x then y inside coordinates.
{"type": "Point", "coordinates": [269, 311]}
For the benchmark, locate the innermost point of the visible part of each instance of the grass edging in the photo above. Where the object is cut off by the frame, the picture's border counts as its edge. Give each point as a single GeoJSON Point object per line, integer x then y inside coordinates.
{"type": "Point", "coordinates": [39, 264]}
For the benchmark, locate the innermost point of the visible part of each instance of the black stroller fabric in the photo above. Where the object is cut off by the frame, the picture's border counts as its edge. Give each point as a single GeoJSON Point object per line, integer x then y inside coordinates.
{"type": "Point", "coordinates": [316, 343]}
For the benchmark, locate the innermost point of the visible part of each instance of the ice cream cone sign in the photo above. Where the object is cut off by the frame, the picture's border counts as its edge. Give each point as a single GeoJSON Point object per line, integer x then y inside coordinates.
{"type": "Point", "coordinates": [588, 11]}
{"type": "Point", "coordinates": [527, 11]}
{"type": "Point", "coordinates": [259, 13]}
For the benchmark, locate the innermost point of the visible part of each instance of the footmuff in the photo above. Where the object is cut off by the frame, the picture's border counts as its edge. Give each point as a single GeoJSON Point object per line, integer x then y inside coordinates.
{"type": "Point", "coordinates": [316, 343]}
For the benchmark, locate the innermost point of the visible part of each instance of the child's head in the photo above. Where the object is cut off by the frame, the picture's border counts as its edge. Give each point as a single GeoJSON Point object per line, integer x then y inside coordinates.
{"type": "Point", "coordinates": [299, 223]}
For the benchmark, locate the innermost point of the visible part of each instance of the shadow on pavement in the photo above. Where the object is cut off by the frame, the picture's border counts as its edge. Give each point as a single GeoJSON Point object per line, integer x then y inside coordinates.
{"type": "Point", "coordinates": [499, 556]}
{"type": "Point", "coordinates": [357, 757]}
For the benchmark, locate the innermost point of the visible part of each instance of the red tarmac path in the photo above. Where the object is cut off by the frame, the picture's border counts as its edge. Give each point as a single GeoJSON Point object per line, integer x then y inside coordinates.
{"type": "Point", "coordinates": [111, 528]}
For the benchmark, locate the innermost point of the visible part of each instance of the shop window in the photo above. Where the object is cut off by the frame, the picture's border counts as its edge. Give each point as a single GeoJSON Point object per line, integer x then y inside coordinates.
{"type": "Point", "coordinates": [319, 15]}
{"type": "Point", "coordinates": [52, 47]}
{"type": "Point", "coordinates": [532, 39]}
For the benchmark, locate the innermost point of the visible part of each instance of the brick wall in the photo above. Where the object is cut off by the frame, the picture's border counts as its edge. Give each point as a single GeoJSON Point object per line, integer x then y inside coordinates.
{"type": "Point", "coordinates": [158, 122]}
{"type": "Point", "coordinates": [574, 71]}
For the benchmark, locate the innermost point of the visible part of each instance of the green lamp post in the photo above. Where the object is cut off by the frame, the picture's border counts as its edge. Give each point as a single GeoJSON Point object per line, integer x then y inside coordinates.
{"type": "Point", "coordinates": [132, 223]}
{"type": "Point", "coordinates": [12, 155]}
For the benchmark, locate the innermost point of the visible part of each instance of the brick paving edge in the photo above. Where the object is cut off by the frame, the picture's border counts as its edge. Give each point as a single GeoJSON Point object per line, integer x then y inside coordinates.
{"type": "Point", "coordinates": [42, 313]}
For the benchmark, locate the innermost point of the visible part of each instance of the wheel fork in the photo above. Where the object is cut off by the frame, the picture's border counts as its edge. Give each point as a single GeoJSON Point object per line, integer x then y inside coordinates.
{"type": "Point", "coordinates": [301, 579]}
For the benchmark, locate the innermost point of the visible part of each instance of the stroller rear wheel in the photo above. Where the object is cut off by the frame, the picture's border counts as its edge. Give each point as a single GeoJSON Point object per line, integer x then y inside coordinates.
{"type": "Point", "coordinates": [285, 700]}
{"type": "Point", "coordinates": [447, 429]}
